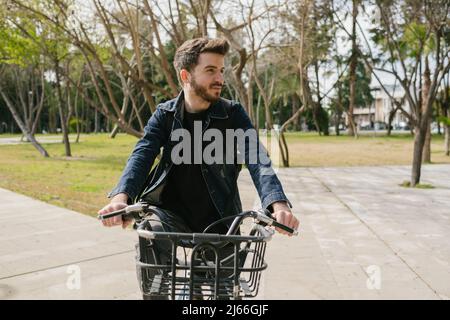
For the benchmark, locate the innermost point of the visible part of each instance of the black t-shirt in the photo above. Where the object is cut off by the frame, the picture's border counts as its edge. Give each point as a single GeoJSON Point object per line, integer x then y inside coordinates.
{"type": "Point", "coordinates": [186, 193]}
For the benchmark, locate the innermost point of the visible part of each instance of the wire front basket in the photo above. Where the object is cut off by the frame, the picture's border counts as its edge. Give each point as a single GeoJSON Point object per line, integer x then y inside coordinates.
{"type": "Point", "coordinates": [225, 267]}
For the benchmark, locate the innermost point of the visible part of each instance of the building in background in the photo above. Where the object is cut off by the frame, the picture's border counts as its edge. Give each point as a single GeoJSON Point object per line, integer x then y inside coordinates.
{"type": "Point", "coordinates": [376, 115]}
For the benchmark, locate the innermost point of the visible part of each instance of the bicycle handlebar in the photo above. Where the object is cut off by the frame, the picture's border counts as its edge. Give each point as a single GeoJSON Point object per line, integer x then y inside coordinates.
{"type": "Point", "coordinates": [140, 209]}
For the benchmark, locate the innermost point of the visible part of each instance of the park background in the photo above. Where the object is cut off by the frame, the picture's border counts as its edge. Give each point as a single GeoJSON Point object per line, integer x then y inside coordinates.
{"type": "Point", "coordinates": [349, 87]}
{"type": "Point", "coordinates": [318, 72]}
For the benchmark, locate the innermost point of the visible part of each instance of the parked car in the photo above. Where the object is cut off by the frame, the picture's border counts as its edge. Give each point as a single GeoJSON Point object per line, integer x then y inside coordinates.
{"type": "Point", "coordinates": [365, 125]}
{"type": "Point", "coordinates": [402, 126]}
{"type": "Point", "coordinates": [380, 126]}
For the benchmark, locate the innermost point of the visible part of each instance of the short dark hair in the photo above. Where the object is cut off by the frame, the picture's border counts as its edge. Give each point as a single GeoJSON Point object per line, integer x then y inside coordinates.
{"type": "Point", "coordinates": [186, 56]}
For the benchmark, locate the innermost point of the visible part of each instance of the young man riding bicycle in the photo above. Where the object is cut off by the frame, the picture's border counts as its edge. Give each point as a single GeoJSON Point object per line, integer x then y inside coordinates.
{"type": "Point", "coordinates": [191, 185]}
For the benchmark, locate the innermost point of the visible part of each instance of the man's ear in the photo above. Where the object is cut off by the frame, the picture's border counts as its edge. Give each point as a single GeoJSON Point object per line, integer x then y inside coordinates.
{"type": "Point", "coordinates": [184, 76]}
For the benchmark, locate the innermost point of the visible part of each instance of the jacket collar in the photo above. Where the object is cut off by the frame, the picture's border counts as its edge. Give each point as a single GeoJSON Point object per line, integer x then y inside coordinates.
{"type": "Point", "coordinates": [216, 110]}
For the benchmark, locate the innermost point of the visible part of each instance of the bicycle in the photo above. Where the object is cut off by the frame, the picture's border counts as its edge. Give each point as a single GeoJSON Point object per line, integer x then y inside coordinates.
{"type": "Point", "coordinates": [205, 274]}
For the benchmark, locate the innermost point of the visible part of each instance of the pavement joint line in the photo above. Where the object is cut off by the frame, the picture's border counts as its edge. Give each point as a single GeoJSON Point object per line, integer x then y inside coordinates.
{"type": "Point", "coordinates": [66, 264]}
{"type": "Point", "coordinates": [373, 231]}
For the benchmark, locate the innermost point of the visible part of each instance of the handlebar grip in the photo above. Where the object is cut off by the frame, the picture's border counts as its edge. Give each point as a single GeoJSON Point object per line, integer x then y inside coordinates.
{"type": "Point", "coordinates": [111, 214]}
{"type": "Point", "coordinates": [285, 228]}
{"type": "Point", "coordinates": [131, 211]}
{"type": "Point", "coordinates": [266, 218]}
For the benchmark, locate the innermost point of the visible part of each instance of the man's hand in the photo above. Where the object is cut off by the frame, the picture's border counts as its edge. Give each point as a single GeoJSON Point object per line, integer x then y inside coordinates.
{"type": "Point", "coordinates": [118, 202]}
{"type": "Point", "coordinates": [283, 214]}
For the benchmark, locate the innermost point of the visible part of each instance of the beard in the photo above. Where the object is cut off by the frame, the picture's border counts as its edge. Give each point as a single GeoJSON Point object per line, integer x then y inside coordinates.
{"type": "Point", "coordinates": [202, 91]}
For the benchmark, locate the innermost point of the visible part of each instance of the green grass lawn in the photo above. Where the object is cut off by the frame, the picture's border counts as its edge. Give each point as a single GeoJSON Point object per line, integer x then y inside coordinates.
{"type": "Point", "coordinates": [79, 183]}
{"type": "Point", "coordinates": [82, 182]}
{"type": "Point", "coordinates": [309, 149]}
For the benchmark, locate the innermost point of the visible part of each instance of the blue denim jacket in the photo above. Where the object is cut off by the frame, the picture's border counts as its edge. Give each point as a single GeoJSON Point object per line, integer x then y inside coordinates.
{"type": "Point", "coordinates": [221, 179]}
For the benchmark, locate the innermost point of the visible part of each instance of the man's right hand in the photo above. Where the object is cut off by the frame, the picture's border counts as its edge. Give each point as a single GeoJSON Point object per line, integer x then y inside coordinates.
{"type": "Point", "coordinates": [118, 202]}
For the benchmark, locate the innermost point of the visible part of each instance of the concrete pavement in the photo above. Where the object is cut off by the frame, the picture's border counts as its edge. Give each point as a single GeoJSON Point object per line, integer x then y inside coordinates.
{"type": "Point", "coordinates": [13, 140]}
{"type": "Point", "coordinates": [362, 237]}
{"type": "Point", "coordinates": [43, 247]}
{"type": "Point", "coordinates": [365, 237]}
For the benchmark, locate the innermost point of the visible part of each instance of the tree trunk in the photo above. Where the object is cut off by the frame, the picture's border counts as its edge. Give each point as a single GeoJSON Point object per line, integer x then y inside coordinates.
{"type": "Point", "coordinates": [390, 119]}
{"type": "Point", "coordinates": [96, 121]}
{"type": "Point", "coordinates": [447, 134]}
{"type": "Point", "coordinates": [438, 122]}
{"type": "Point", "coordinates": [305, 90]}
{"type": "Point", "coordinates": [447, 140]}
{"type": "Point", "coordinates": [282, 140]}
{"type": "Point", "coordinates": [258, 106]}
{"type": "Point", "coordinates": [78, 125]}
{"type": "Point", "coordinates": [421, 127]}
{"type": "Point", "coordinates": [352, 73]}
{"type": "Point", "coordinates": [352, 129]}
{"type": "Point", "coordinates": [52, 119]}
{"type": "Point", "coordinates": [315, 111]}
{"type": "Point", "coordinates": [266, 95]}
{"type": "Point", "coordinates": [124, 110]}
{"type": "Point", "coordinates": [295, 106]}
{"type": "Point", "coordinates": [336, 124]}
{"type": "Point", "coordinates": [338, 109]}
{"type": "Point", "coordinates": [40, 103]}
{"type": "Point", "coordinates": [61, 109]}
{"type": "Point", "coordinates": [114, 131]}
{"type": "Point", "coordinates": [426, 153]}
{"type": "Point", "coordinates": [446, 113]}
{"type": "Point", "coordinates": [250, 97]}
{"type": "Point", "coordinates": [317, 105]}
{"type": "Point", "coordinates": [419, 141]}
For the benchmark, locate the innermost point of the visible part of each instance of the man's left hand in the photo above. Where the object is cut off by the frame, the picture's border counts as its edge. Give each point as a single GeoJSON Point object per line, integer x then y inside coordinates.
{"type": "Point", "coordinates": [283, 214]}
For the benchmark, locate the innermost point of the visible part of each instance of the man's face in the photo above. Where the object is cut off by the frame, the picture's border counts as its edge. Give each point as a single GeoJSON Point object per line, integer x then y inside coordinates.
{"type": "Point", "coordinates": [206, 79]}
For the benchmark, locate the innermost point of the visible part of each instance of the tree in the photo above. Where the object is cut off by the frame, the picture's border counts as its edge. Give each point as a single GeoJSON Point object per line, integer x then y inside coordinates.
{"type": "Point", "coordinates": [410, 33]}
{"type": "Point", "coordinates": [21, 77]}
{"type": "Point", "coordinates": [362, 95]}
{"type": "Point", "coordinates": [53, 48]}
{"type": "Point", "coordinates": [28, 119]}
{"type": "Point", "coordinates": [308, 31]}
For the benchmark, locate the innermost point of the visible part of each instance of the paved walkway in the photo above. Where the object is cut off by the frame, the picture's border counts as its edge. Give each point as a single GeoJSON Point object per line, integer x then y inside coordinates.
{"type": "Point", "coordinates": [41, 139]}
{"type": "Point", "coordinates": [362, 237]}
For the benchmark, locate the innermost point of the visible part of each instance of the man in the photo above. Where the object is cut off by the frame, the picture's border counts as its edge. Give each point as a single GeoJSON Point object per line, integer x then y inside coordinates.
{"type": "Point", "coordinates": [195, 192]}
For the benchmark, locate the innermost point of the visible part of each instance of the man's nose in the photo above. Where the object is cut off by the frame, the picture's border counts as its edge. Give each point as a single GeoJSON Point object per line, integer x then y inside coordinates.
{"type": "Point", "coordinates": [219, 78]}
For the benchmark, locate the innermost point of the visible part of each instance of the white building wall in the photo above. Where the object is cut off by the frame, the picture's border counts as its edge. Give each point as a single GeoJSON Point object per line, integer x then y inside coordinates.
{"type": "Point", "coordinates": [380, 108]}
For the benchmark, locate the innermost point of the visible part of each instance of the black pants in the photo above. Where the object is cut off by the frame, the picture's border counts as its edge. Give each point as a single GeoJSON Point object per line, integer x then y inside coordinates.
{"type": "Point", "coordinates": [160, 252]}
